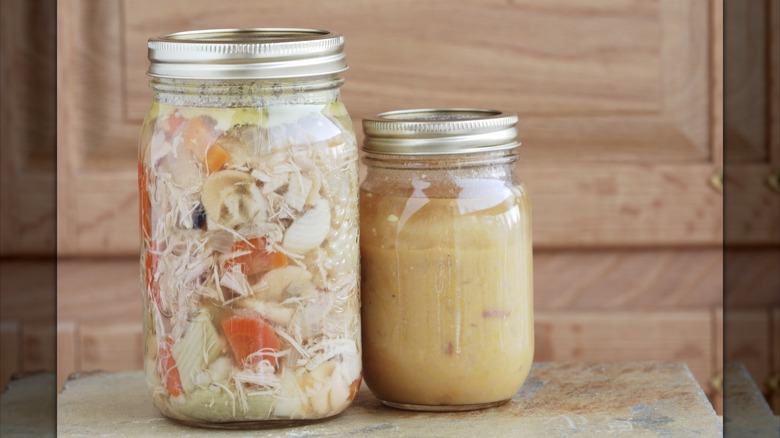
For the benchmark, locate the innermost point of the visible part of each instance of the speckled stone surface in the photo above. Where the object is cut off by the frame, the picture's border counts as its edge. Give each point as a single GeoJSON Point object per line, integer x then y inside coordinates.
{"type": "Point", "coordinates": [639, 399]}
{"type": "Point", "coordinates": [746, 412]}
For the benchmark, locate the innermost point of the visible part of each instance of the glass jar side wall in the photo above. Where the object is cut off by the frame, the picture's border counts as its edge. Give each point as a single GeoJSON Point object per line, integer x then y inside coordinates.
{"type": "Point", "coordinates": [249, 251]}
{"type": "Point", "coordinates": [446, 281]}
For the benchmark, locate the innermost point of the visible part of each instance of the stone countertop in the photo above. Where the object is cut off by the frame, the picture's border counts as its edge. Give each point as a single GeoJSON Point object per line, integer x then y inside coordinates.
{"type": "Point", "coordinates": [27, 406]}
{"type": "Point", "coordinates": [746, 412]}
{"type": "Point", "coordinates": [634, 399]}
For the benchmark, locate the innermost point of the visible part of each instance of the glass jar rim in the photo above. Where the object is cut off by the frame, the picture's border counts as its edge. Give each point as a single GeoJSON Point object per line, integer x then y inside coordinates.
{"type": "Point", "coordinates": [443, 131]}
{"type": "Point", "coordinates": [257, 53]}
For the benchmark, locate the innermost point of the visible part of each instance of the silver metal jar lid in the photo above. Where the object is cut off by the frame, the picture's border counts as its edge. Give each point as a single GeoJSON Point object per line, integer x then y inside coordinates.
{"type": "Point", "coordinates": [439, 131]}
{"type": "Point", "coordinates": [246, 54]}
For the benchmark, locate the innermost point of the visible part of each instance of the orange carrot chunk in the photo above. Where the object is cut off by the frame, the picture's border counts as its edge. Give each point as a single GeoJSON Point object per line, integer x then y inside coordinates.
{"type": "Point", "coordinates": [247, 335]}
{"type": "Point", "coordinates": [145, 203]}
{"type": "Point", "coordinates": [153, 286]}
{"type": "Point", "coordinates": [198, 136]}
{"type": "Point", "coordinates": [355, 386]}
{"type": "Point", "coordinates": [260, 259]}
{"type": "Point", "coordinates": [169, 374]}
{"type": "Point", "coordinates": [175, 122]}
{"type": "Point", "coordinates": [216, 157]}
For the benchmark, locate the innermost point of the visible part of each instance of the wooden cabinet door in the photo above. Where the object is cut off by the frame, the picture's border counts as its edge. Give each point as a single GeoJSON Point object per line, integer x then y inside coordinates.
{"type": "Point", "coordinates": [28, 152]}
{"type": "Point", "coordinates": [618, 102]}
{"type": "Point", "coordinates": [752, 184]}
{"type": "Point", "coordinates": [752, 125]}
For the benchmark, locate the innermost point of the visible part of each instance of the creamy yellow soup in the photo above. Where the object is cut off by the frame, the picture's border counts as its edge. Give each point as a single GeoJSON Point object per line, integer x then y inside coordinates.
{"type": "Point", "coordinates": [447, 303]}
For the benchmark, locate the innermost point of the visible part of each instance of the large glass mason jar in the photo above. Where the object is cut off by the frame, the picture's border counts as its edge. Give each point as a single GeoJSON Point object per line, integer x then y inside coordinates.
{"type": "Point", "coordinates": [247, 176]}
{"type": "Point", "coordinates": [447, 302]}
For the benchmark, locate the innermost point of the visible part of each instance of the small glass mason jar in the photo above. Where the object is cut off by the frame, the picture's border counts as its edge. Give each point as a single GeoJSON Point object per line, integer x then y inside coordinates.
{"type": "Point", "coordinates": [446, 277]}
{"type": "Point", "coordinates": [248, 179]}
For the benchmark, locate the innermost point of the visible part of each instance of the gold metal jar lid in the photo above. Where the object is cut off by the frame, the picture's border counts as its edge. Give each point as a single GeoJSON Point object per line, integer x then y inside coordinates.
{"type": "Point", "coordinates": [246, 54]}
{"type": "Point", "coordinates": [440, 131]}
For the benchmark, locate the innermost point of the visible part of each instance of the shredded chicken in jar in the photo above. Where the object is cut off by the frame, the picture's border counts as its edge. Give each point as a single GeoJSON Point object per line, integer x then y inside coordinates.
{"type": "Point", "coordinates": [250, 248]}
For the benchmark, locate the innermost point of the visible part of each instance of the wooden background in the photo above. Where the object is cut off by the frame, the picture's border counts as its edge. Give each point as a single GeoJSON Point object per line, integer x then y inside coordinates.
{"type": "Point", "coordinates": [620, 106]}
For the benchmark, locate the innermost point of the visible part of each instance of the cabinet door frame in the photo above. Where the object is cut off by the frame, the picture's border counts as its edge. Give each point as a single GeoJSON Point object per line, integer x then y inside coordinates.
{"type": "Point", "coordinates": [752, 128]}
{"type": "Point", "coordinates": [27, 163]}
{"type": "Point", "coordinates": [577, 203]}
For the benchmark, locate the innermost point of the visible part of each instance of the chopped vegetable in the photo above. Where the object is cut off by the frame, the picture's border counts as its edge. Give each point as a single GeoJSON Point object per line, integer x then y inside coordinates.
{"type": "Point", "coordinates": [254, 257]}
{"type": "Point", "coordinates": [248, 335]}
{"type": "Point", "coordinates": [250, 264]}
{"type": "Point", "coordinates": [175, 122]}
{"type": "Point", "coordinates": [291, 403]}
{"type": "Point", "coordinates": [355, 387]}
{"type": "Point", "coordinates": [216, 157]}
{"type": "Point", "coordinates": [309, 230]}
{"type": "Point", "coordinates": [199, 346]}
{"type": "Point", "coordinates": [199, 134]}
{"type": "Point", "coordinates": [274, 312]}
{"type": "Point", "coordinates": [246, 116]}
{"type": "Point", "coordinates": [232, 199]}
{"type": "Point", "coordinates": [220, 369]}
{"type": "Point", "coordinates": [144, 201]}
{"type": "Point", "coordinates": [298, 192]}
{"type": "Point", "coordinates": [326, 388]}
{"type": "Point", "coordinates": [152, 285]}
{"type": "Point", "coordinates": [167, 369]}
{"type": "Point", "coordinates": [276, 282]}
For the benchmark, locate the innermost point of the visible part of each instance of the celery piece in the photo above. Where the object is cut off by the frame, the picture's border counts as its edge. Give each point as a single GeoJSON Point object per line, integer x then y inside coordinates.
{"type": "Point", "coordinates": [291, 402]}
{"type": "Point", "coordinates": [205, 405]}
{"type": "Point", "coordinates": [154, 111]}
{"type": "Point", "coordinates": [337, 109]}
{"type": "Point", "coordinates": [247, 116]}
{"type": "Point", "coordinates": [199, 346]}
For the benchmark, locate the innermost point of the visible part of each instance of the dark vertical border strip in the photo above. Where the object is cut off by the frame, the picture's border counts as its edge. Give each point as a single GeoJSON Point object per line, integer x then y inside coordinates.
{"type": "Point", "coordinates": [27, 259]}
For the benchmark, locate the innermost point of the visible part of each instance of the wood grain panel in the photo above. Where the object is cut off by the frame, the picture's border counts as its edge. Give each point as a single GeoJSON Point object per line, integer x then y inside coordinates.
{"type": "Point", "coordinates": [9, 350]}
{"type": "Point", "coordinates": [38, 346]}
{"type": "Point", "coordinates": [27, 114]}
{"type": "Point", "coordinates": [537, 39]}
{"type": "Point", "coordinates": [68, 358]}
{"type": "Point", "coordinates": [578, 205]}
{"type": "Point", "coordinates": [593, 336]}
{"type": "Point", "coordinates": [752, 216]}
{"type": "Point", "coordinates": [753, 122]}
{"type": "Point", "coordinates": [617, 325]}
{"type": "Point", "coordinates": [583, 95]}
{"type": "Point", "coordinates": [613, 279]}
{"type": "Point", "coordinates": [89, 90]}
{"type": "Point", "coordinates": [716, 86]}
{"type": "Point", "coordinates": [774, 84]}
{"type": "Point", "coordinates": [747, 340]}
{"type": "Point", "coordinates": [574, 206]}
{"type": "Point", "coordinates": [751, 280]}
{"type": "Point", "coordinates": [582, 91]}
{"type": "Point", "coordinates": [560, 337]}
{"type": "Point", "coordinates": [718, 339]}
{"type": "Point", "coordinates": [27, 293]}
{"type": "Point", "coordinates": [716, 394]}
{"type": "Point", "coordinates": [99, 290]}
{"type": "Point", "coordinates": [745, 47]}
{"type": "Point", "coordinates": [27, 290]}
{"type": "Point", "coordinates": [775, 350]}
{"type": "Point", "coordinates": [110, 346]}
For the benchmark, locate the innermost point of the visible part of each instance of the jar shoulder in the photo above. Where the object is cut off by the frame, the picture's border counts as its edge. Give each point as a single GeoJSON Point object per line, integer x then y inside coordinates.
{"type": "Point", "coordinates": [445, 183]}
